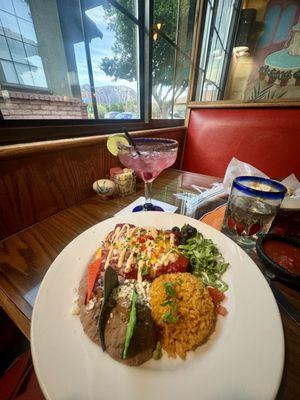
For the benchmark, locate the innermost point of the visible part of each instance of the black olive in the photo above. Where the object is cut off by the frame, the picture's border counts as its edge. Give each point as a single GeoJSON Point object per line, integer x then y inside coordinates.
{"type": "Point", "coordinates": [192, 231]}
{"type": "Point", "coordinates": [176, 230]}
{"type": "Point", "coordinates": [184, 228]}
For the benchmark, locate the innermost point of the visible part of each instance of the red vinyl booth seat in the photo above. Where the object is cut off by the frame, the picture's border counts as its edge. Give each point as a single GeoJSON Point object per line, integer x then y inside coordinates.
{"type": "Point", "coordinates": [267, 138]}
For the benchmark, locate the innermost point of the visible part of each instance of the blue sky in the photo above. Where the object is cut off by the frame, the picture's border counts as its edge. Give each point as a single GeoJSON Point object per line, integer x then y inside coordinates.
{"type": "Point", "coordinates": [99, 48]}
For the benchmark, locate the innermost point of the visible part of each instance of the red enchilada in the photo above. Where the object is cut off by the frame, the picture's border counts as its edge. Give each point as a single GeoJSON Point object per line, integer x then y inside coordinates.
{"type": "Point", "coordinates": [139, 253]}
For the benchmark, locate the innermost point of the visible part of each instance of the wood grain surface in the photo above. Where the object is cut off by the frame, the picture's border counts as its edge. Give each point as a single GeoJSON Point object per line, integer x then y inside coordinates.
{"type": "Point", "coordinates": [246, 103]}
{"type": "Point", "coordinates": [39, 180]}
{"type": "Point", "coordinates": [26, 256]}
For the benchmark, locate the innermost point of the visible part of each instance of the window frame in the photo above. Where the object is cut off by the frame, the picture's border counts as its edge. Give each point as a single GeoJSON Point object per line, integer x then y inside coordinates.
{"type": "Point", "coordinates": [227, 50]}
{"type": "Point", "coordinates": [26, 130]}
{"type": "Point", "coordinates": [32, 131]}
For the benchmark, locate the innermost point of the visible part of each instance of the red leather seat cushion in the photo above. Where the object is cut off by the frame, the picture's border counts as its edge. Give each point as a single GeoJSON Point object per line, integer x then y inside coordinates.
{"type": "Point", "coordinates": [268, 138]}
{"type": "Point", "coordinates": [19, 382]}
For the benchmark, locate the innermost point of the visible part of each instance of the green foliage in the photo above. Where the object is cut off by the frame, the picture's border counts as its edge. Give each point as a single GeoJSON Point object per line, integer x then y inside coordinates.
{"type": "Point", "coordinates": [90, 111]}
{"type": "Point", "coordinates": [131, 106]}
{"type": "Point", "coordinates": [273, 74]}
{"type": "Point", "coordinates": [116, 107]}
{"type": "Point", "coordinates": [123, 63]}
{"type": "Point", "coordinates": [264, 69]}
{"type": "Point", "coordinates": [285, 75]}
{"type": "Point", "coordinates": [259, 93]}
{"type": "Point", "coordinates": [296, 74]}
{"type": "Point", "coordinates": [101, 110]}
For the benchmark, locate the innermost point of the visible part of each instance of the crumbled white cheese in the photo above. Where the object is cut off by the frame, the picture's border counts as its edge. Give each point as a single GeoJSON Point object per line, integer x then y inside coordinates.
{"type": "Point", "coordinates": [144, 292]}
{"type": "Point", "coordinates": [90, 305]}
{"type": "Point", "coordinates": [75, 310]}
{"type": "Point", "coordinates": [75, 300]}
{"type": "Point", "coordinates": [124, 292]}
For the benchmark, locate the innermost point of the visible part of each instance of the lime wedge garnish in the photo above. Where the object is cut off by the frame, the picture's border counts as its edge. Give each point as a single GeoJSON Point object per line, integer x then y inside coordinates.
{"type": "Point", "coordinates": [114, 141]}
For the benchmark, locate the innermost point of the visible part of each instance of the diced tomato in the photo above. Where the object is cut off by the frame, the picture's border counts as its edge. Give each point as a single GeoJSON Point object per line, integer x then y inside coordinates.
{"type": "Point", "coordinates": [180, 265]}
{"type": "Point", "coordinates": [132, 274]}
{"type": "Point", "coordinates": [92, 275]}
{"type": "Point", "coordinates": [221, 310]}
{"type": "Point", "coordinates": [216, 295]}
{"type": "Point", "coordinates": [149, 237]}
{"type": "Point", "coordinates": [142, 240]}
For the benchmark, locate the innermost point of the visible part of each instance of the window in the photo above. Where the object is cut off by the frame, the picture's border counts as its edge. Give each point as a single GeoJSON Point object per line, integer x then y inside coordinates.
{"type": "Point", "coordinates": [20, 63]}
{"type": "Point", "coordinates": [218, 35]}
{"type": "Point", "coordinates": [110, 75]}
{"type": "Point", "coordinates": [95, 59]}
{"type": "Point", "coordinates": [173, 23]}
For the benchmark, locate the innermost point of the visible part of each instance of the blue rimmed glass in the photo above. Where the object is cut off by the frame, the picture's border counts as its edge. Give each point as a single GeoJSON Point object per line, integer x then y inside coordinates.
{"type": "Point", "coordinates": [148, 157]}
{"type": "Point", "coordinates": [251, 208]}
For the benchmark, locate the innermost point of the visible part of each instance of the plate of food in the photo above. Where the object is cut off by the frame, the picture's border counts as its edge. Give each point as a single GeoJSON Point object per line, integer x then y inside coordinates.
{"type": "Point", "coordinates": [152, 305]}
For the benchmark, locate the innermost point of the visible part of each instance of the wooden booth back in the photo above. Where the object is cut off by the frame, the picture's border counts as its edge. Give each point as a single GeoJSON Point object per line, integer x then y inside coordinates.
{"type": "Point", "coordinates": [40, 179]}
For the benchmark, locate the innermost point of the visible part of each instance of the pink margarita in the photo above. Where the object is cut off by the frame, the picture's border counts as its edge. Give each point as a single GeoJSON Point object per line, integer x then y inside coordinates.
{"type": "Point", "coordinates": [148, 157]}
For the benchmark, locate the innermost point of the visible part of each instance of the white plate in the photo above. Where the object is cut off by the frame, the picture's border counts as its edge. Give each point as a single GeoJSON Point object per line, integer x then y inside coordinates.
{"type": "Point", "coordinates": [243, 359]}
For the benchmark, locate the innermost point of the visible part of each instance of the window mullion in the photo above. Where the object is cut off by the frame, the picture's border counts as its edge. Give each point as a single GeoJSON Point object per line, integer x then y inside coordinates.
{"type": "Point", "coordinates": [210, 38]}
{"type": "Point", "coordinates": [146, 80]}
{"type": "Point", "coordinates": [88, 60]}
{"type": "Point", "coordinates": [229, 47]}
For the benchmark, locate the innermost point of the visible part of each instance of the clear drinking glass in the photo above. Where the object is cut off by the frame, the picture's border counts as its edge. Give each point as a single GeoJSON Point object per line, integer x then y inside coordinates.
{"type": "Point", "coordinates": [148, 157]}
{"type": "Point", "coordinates": [251, 208]}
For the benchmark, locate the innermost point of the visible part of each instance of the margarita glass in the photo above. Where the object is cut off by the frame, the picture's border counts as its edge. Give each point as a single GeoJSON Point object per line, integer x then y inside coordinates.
{"type": "Point", "coordinates": [148, 157]}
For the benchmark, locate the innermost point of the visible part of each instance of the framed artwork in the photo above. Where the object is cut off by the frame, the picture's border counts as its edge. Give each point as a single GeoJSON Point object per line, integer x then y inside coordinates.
{"type": "Point", "coordinates": [269, 68]}
{"type": "Point", "coordinates": [250, 55]}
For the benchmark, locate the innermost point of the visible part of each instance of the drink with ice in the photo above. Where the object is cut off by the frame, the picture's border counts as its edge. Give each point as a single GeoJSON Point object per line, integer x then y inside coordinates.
{"type": "Point", "coordinates": [148, 157]}
{"type": "Point", "coordinates": [148, 164]}
{"type": "Point", "coordinates": [251, 208]}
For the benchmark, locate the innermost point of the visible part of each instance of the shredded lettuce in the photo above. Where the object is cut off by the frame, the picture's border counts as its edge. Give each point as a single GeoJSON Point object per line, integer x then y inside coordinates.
{"type": "Point", "coordinates": [206, 261]}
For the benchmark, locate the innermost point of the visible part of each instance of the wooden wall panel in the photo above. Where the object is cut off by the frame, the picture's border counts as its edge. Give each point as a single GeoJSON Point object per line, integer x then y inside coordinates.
{"type": "Point", "coordinates": [37, 181]}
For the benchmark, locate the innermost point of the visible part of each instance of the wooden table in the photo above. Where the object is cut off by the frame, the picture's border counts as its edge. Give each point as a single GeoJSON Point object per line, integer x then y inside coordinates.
{"type": "Point", "coordinates": [25, 257]}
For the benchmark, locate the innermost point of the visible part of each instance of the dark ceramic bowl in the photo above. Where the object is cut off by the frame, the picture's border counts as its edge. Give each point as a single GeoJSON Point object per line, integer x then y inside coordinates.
{"type": "Point", "coordinates": [280, 272]}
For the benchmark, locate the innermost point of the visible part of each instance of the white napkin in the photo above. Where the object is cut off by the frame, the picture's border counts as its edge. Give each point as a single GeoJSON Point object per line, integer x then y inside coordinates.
{"type": "Point", "coordinates": [141, 200]}
{"type": "Point", "coordinates": [238, 168]}
{"type": "Point", "coordinates": [293, 185]}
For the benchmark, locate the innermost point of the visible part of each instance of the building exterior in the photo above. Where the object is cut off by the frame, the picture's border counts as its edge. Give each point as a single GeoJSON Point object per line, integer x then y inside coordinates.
{"type": "Point", "coordinates": [38, 76]}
